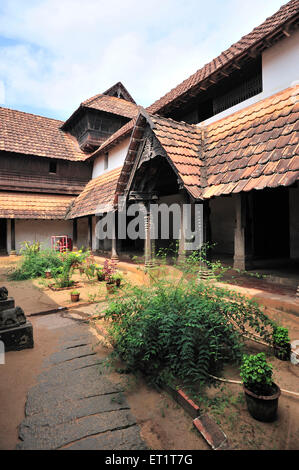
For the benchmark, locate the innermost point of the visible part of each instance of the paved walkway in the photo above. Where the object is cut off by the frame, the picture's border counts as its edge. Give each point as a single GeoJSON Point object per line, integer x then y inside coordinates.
{"type": "Point", "coordinates": [74, 405]}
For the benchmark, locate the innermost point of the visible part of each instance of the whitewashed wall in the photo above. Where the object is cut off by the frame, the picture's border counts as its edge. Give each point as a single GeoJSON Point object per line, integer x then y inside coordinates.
{"type": "Point", "coordinates": [280, 69]}
{"type": "Point", "coordinates": [116, 158]}
{"type": "Point", "coordinates": [38, 230]}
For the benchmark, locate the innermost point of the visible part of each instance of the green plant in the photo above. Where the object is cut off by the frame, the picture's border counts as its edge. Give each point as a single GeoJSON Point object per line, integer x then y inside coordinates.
{"type": "Point", "coordinates": [281, 336]}
{"type": "Point", "coordinates": [28, 248]}
{"type": "Point", "coordinates": [36, 263]}
{"type": "Point", "coordinates": [116, 276]}
{"type": "Point", "coordinates": [256, 374]}
{"type": "Point", "coordinates": [75, 292]}
{"type": "Point", "coordinates": [181, 331]}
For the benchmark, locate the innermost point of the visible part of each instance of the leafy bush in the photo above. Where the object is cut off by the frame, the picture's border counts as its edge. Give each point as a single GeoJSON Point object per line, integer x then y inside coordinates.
{"type": "Point", "coordinates": [36, 263]}
{"type": "Point", "coordinates": [256, 374]}
{"type": "Point", "coordinates": [183, 331]}
{"type": "Point", "coordinates": [281, 336]}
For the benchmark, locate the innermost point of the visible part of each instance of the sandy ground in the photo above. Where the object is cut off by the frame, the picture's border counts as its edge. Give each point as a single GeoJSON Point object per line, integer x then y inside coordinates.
{"type": "Point", "coordinates": [164, 425]}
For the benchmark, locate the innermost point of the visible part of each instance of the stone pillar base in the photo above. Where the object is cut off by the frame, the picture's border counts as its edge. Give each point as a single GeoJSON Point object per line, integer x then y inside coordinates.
{"type": "Point", "coordinates": [242, 263]}
{"type": "Point", "coordinates": [12, 253]}
{"type": "Point", "coordinates": [18, 338]}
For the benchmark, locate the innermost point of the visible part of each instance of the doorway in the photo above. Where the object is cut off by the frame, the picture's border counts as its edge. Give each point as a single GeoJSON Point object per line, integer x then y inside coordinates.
{"type": "Point", "coordinates": [3, 236]}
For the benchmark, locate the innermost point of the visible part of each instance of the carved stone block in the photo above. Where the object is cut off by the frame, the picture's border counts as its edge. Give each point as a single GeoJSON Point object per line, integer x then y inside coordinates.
{"type": "Point", "coordinates": [18, 338]}
{"type": "Point", "coordinates": [6, 304]}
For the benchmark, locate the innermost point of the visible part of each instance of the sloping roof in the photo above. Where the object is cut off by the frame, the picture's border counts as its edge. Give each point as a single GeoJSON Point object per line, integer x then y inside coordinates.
{"type": "Point", "coordinates": [97, 195]}
{"type": "Point", "coordinates": [182, 143]}
{"type": "Point", "coordinates": [254, 148]}
{"type": "Point", "coordinates": [33, 206]}
{"type": "Point", "coordinates": [112, 104]}
{"type": "Point", "coordinates": [255, 39]}
{"type": "Point", "coordinates": [36, 135]}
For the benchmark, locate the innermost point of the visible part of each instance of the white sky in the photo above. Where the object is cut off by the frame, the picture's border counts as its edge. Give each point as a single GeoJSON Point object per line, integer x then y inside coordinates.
{"type": "Point", "coordinates": [56, 53]}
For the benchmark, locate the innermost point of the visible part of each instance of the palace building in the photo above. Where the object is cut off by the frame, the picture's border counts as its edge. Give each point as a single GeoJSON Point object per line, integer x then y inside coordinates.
{"type": "Point", "coordinates": [226, 138]}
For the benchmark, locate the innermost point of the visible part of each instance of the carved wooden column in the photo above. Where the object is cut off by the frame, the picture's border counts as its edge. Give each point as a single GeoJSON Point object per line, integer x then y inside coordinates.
{"type": "Point", "coordinates": [147, 241]}
{"type": "Point", "coordinates": [114, 254]}
{"type": "Point", "coordinates": [243, 235]}
{"type": "Point", "coordinates": [12, 237]}
{"type": "Point", "coordinates": [75, 235]}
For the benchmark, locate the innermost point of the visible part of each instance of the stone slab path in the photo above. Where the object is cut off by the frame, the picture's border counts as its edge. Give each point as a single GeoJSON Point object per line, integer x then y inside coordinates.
{"type": "Point", "coordinates": [74, 405]}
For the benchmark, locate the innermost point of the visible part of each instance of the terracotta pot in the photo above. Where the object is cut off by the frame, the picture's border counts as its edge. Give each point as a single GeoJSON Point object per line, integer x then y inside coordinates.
{"type": "Point", "coordinates": [75, 297]}
{"type": "Point", "coordinates": [48, 274]}
{"type": "Point", "coordinates": [110, 287]}
{"type": "Point", "coordinates": [101, 277]}
{"type": "Point", "coordinates": [284, 354]}
{"type": "Point", "coordinates": [263, 408]}
{"type": "Point", "coordinates": [118, 282]}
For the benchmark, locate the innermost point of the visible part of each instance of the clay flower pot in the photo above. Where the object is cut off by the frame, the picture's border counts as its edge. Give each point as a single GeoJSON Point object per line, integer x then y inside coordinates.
{"type": "Point", "coordinates": [110, 287]}
{"type": "Point", "coordinates": [75, 297]}
{"type": "Point", "coordinates": [48, 274]}
{"type": "Point", "coordinates": [101, 277]}
{"type": "Point", "coordinates": [282, 353]}
{"type": "Point", "coordinates": [263, 408]}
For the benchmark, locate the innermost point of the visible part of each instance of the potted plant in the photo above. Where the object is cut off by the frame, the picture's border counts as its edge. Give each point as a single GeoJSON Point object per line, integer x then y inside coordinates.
{"type": "Point", "coordinates": [261, 392]}
{"type": "Point", "coordinates": [100, 273]}
{"type": "Point", "coordinates": [48, 273]}
{"type": "Point", "coordinates": [75, 295]}
{"type": "Point", "coordinates": [116, 278]}
{"type": "Point", "coordinates": [281, 343]}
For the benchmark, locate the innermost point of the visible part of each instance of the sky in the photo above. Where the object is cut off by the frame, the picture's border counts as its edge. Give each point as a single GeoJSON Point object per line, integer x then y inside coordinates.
{"type": "Point", "coordinates": [54, 54]}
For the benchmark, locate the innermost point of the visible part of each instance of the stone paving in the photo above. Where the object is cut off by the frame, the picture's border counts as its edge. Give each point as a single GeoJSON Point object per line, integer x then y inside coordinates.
{"type": "Point", "coordinates": [74, 405]}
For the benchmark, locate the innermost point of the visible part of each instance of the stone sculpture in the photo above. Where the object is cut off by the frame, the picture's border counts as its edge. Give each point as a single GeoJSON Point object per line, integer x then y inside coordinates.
{"type": "Point", "coordinates": [15, 331]}
{"type": "Point", "coordinates": [11, 318]}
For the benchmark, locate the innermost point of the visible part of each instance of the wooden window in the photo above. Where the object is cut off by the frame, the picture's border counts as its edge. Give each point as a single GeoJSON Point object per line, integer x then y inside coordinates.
{"type": "Point", "coordinates": [53, 167]}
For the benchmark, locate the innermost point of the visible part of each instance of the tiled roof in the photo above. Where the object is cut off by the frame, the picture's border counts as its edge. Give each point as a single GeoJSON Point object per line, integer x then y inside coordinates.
{"type": "Point", "coordinates": [258, 34]}
{"type": "Point", "coordinates": [112, 104]}
{"type": "Point", "coordinates": [254, 148]}
{"type": "Point", "coordinates": [33, 206]}
{"type": "Point", "coordinates": [97, 195]}
{"type": "Point", "coordinates": [36, 135]}
{"type": "Point", "coordinates": [182, 144]}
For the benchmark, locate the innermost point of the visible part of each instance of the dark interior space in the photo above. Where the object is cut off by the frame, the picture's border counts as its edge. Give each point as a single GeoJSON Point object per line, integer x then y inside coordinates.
{"type": "Point", "coordinates": [3, 231]}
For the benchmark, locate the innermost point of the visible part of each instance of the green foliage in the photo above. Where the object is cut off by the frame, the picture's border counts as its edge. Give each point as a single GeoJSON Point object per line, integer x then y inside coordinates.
{"type": "Point", "coordinates": [75, 292]}
{"type": "Point", "coordinates": [28, 248]}
{"type": "Point", "coordinates": [36, 263]}
{"type": "Point", "coordinates": [281, 336]}
{"type": "Point", "coordinates": [183, 331]}
{"type": "Point", "coordinates": [256, 374]}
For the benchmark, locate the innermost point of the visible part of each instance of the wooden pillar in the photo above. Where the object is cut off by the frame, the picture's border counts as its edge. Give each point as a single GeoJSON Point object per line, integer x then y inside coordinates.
{"type": "Point", "coordinates": [12, 237]}
{"type": "Point", "coordinates": [182, 250]}
{"type": "Point", "coordinates": [90, 232]}
{"type": "Point", "coordinates": [147, 241]}
{"type": "Point", "coordinates": [114, 254]}
{"type": "Point", "coordinates": [75, 235]}
{"type": "Point", "coordinates": [243, 235]}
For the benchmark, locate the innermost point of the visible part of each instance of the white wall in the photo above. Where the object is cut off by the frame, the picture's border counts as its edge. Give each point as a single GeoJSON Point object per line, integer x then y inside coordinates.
{"type": "Point", "coordinates": [38, 230]}
{"type": "Point", "coordinates": [280, 69]}
{"type": "Point", "coordinates": [116, 158]}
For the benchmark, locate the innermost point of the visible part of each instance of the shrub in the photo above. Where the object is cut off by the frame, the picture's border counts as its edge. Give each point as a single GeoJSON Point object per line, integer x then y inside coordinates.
{"type": "Point", "coordinates": [256, 374]}
{"type": "Point", "coordinates": [36, 263]}
{"type": "Point", "coordinates": [182, 332]}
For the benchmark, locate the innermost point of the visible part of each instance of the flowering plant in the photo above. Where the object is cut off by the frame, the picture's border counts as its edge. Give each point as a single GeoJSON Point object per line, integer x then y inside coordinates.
{"type": "Point", "coordinates": [109, 269]}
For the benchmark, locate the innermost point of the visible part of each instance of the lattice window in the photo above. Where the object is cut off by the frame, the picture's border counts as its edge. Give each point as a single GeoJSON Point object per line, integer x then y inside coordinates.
{"type": "Point", "coordinates": [242, 92]}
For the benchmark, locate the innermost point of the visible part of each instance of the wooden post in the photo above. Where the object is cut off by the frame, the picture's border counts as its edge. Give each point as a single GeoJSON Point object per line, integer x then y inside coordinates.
{"type": "Point", "coordinates": [75, 235]}
{"type": "Point", "coordinates": [114, 254]}
{"type": "Point", "coordinates": [12, 237]}
{"type": "Point", "coordinates": [243, 239]}
{"type": "Point", "coordinates": [147, 241]}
